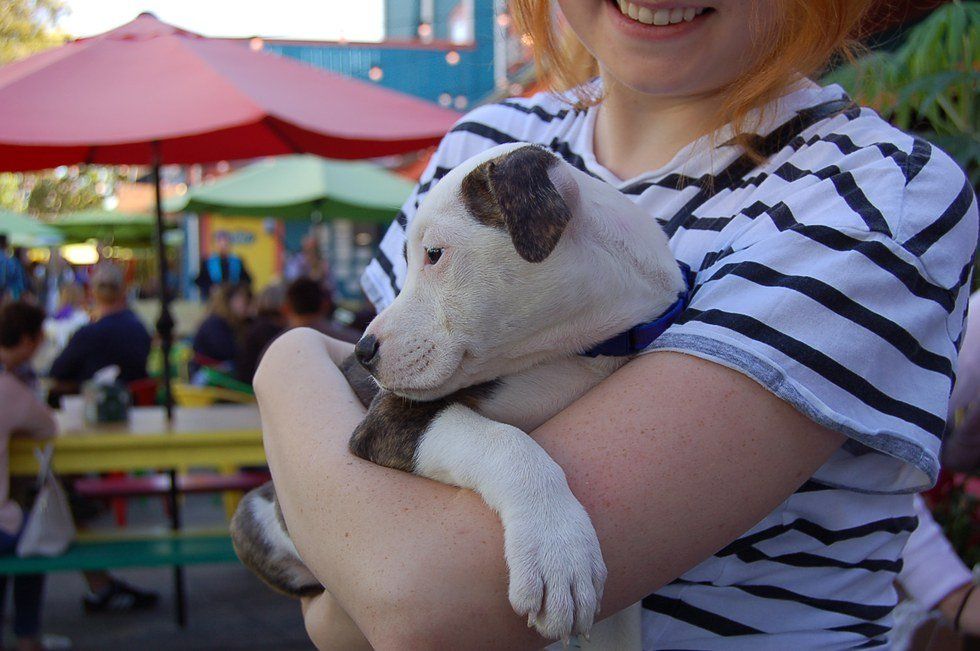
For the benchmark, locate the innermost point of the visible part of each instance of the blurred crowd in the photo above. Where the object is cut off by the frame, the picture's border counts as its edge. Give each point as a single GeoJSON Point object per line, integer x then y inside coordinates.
{"type": "Point", "coordinates": [61, 325]}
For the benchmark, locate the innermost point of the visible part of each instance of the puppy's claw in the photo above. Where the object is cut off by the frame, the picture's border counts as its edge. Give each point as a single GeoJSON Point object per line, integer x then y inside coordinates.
{"type": "Point", "coordinates": [587, 635]}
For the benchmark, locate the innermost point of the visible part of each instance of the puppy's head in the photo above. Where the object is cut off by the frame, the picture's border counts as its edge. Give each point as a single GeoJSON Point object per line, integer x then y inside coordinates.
{"type": "Point", "coordinates": [500, 275]}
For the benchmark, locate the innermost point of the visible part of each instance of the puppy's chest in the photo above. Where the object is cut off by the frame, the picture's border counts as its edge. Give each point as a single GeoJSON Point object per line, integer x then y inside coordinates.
{"type": "Point", "coordinates": [528, 399]}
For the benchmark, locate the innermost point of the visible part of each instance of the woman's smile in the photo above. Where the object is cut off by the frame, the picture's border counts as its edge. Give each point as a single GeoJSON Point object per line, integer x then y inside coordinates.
{"type": "Point", "coordinates": [657, 21]}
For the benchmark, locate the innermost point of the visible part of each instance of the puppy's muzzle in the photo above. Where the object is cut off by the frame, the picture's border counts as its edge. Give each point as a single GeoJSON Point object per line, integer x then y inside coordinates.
{"type": "Point", "coordinates": [366, 351]}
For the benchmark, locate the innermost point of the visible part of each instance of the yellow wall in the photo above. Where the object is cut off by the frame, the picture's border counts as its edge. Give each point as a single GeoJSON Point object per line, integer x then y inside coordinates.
{"type": "Point", "coordinates": [257, 241]}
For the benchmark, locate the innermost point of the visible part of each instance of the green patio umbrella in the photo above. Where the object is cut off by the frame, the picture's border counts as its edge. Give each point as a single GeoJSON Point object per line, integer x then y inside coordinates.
{"type": "Point", "coordinates": [302, 187]}
{"type": "Point", "coordinates": [106, 225]}
{"type": "Point", "coordinates": [23, 230]}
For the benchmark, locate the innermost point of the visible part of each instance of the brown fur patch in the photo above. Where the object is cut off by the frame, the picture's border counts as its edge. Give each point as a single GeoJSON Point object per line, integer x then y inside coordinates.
{"type": "Point", "coordinates": [363, 384]}
{"type": "Point", "coordinates": [390, 432]}
{"type": "Point", "coordinates": [514, 192]}
{"type": "Point", "coordinates": [259, 554]}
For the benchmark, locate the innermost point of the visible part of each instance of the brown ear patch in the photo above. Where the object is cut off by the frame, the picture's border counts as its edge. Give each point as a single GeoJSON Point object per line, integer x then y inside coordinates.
{"type": "Point", "coordinates": [514, 192]}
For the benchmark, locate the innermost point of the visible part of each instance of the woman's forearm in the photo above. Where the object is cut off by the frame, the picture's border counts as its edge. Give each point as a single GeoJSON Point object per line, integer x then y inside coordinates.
{"type": "Point", "coordinates": [667, 457]}
{"type": "Point", "coordinates": [368, 532]}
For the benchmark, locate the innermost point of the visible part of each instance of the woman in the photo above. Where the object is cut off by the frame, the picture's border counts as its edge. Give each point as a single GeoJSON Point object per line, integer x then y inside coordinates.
{"type": "Point", "coordinates": [22, 415]}
{"type": "Point", "coordinates": [748, 477]}
{"type": "Point", "coordinates": [268, 324]}
{"type": "Point", "coordinates": [217, 341]}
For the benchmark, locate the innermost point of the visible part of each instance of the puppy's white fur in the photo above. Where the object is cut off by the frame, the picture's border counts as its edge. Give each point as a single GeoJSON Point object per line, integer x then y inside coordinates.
{"type": "Point", "coordinates": [483, 313]}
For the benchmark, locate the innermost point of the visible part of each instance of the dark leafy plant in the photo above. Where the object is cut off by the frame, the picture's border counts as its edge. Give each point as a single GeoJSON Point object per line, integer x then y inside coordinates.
{"type": "Point", "coordinates": [928, 86]}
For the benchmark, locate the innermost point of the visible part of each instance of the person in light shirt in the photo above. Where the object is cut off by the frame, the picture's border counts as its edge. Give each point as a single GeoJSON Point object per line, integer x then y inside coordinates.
{"type": "Point", "coordinates": [23, 414]}
{"type": "Point", "coordinates": [750, 474]}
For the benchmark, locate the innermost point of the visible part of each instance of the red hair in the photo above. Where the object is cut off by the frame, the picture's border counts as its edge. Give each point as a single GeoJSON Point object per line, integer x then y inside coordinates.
{"type": "Point", "coordinates": [800, 39]}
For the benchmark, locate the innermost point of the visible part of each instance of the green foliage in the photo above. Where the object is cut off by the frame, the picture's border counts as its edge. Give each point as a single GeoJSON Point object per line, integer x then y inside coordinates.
{"type": "Point", "coordinates": [28, 26]}
{"type": "Point", "coordinates": [61, 192]}
{"type": "Point", "coordinates": [928, 86]}
{"type": "Point", "coordinates": [11, 196]}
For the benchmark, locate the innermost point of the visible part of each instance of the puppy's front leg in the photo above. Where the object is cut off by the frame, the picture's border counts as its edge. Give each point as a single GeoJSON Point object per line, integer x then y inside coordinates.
{"type": "Point", "coordinates": [556, 568]}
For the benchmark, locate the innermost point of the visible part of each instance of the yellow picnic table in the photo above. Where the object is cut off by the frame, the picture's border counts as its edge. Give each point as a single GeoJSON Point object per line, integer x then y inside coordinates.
{"type": "Point", "coordinates": [222, 437]}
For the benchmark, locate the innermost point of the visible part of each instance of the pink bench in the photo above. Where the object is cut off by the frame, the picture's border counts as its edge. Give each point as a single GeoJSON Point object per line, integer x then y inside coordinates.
{"type": "Point", "coordinates": [116, 488]}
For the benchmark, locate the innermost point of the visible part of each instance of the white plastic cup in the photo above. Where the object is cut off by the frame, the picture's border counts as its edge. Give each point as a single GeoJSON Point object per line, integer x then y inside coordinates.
{"type": "Point", "coordinates": [72, 415]}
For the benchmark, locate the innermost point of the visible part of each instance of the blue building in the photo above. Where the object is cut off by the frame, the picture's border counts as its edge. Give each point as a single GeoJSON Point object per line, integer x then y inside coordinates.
{"type": "Point", "coordinates": [453, 52]}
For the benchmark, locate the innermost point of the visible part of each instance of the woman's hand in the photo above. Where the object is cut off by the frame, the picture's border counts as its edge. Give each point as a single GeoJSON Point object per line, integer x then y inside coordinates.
{"type": "Point", "coordinates": [673, 457]}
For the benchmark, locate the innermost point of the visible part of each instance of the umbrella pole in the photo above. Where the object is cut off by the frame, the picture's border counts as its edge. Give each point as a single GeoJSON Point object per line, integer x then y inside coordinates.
{"type": "Point", "coordinates": [165, 324]}
{"type": "Point", "coordinates": [165, 327]}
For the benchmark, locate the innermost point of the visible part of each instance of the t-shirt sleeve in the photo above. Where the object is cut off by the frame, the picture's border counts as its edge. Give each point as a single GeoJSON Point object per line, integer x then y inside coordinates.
{"type": "Point", "coordinates": [847, 299]}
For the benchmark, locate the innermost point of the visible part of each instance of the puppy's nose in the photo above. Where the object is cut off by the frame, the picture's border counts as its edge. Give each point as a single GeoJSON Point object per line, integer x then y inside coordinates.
{"type": "Point", "coordinates": [366, 350]}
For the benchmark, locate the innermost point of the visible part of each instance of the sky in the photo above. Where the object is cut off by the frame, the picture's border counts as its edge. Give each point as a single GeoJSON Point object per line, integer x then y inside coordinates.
{"type": "Point", "coordinates": [355, 20]}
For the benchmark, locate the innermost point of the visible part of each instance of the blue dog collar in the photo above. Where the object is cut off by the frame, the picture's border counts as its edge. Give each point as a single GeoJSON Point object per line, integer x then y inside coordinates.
{"type": "Point", "coordinates": [640, 336]}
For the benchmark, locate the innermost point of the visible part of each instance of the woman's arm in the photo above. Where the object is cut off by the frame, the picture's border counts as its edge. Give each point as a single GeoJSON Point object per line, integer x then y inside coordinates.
{"type": "Point", "coordinates": [673, 457]}
{"type": "Point", "coordinates": [23, 414]}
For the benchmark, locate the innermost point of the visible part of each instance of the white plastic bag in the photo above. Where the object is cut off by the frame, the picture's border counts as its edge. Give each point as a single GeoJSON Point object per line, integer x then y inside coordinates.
{"type": "Point", "coordinates": [49, 529]}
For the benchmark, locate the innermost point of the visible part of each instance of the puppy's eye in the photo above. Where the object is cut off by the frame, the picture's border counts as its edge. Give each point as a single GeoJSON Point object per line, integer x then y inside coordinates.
{"type": "Point", "coordinates": [432, 255]}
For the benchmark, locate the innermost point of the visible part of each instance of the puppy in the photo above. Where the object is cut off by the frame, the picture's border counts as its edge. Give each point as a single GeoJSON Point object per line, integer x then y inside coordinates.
{"type": "Point", "coordinates": [519, 265]}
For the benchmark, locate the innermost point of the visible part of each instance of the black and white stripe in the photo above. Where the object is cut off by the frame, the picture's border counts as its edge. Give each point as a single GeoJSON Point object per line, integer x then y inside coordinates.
{"type": "Point", "coordinates": [836, 274]}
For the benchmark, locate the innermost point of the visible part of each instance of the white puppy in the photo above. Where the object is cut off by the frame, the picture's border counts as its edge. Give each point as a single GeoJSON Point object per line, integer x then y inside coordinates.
{"type": "Point", "coordinates": [517, 265]}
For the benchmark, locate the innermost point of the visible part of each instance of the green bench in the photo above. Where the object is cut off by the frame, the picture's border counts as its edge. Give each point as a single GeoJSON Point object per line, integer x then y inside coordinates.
{"type": "Point", "coordinates": [170, 549]}
{"type": "Point", "coordinates": [103, 553]}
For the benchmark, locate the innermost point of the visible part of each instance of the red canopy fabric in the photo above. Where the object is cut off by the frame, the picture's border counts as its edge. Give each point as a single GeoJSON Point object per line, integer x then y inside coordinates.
{"type": "Point", "coordinates": [107, 99]}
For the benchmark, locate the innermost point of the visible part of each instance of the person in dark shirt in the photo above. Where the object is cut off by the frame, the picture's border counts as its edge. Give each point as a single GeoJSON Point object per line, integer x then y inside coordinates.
{"type": "Point", "coordinates": [268, 324]}
{"type": "Point", "coordinates": [117, 337]}
{"type": "Point", "coordinates": [19, 325]}
{"type": "Point", "coordinates": [307, 306]}
{"type": "Point", "coordinates": [221, 267]}
{"type": "Point", "coordinates": [217, 341]}
{"type": "Point", "coordinates": [13, 279]}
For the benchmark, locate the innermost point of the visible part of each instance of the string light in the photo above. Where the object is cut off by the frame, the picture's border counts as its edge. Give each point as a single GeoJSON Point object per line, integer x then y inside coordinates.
{"type": "Point", "coordinates": [452, 57]}
{"type": "Point", "coordinates": [375, 73]}
{"type": "Point", "coordinates": [445, 99]}
{"type": "Point", "coordinates": [255, 44]}
{"type": "Point", "coordinates": [425, 31]}
{"type": "Point", "coordinates": [503, 20]}
{"type": "Point", "coordinates": [461, 102]}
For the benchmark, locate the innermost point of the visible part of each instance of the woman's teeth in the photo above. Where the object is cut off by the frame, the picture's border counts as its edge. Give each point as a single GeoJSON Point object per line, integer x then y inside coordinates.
{"type": "Point", "coordinates": [649, 16]}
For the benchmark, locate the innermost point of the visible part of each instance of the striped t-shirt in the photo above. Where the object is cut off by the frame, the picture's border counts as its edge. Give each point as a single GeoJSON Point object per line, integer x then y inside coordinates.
{"type": "Point", "coordinates": [836, 274]}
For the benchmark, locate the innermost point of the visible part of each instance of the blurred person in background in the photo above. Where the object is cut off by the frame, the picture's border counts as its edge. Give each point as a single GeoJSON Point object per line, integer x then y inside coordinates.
{"type": "Point", "coordinates": [268, 324]}
{"type": "Point", "coordinates": [218, 339]}
{"type": "Point", "coordinates": [310, 263]}
{"type": "Point", "coordinates": [115, 337]}
{"type": "Point", "coordinates": [23, 414]}
{"type": "Point", "coordinates": [13, 281]}
{"type": "Point", "coordinates": [221, 267]}
{"type": "Point", "coordinates": [961, 445]}
{"type": "Point", "coordinates": [29, 270]}
{"type": "Point", "coordinates": [69, 316]}
{"type": "Point", "coordinates": [308, 306]}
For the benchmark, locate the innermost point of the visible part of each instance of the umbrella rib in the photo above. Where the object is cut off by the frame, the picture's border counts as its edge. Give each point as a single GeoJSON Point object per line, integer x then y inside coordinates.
{"type": "Point", "coordinates": [269, 122]}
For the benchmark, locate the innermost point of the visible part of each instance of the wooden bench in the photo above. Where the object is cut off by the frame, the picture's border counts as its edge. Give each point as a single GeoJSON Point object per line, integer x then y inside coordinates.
{"type": "Point", "coordinates": [170, 549]}
{"type": "Point", "coordinates": [104, 553]}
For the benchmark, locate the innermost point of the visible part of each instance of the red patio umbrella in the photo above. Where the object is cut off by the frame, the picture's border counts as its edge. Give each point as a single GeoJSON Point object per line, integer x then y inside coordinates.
{"type": "Point", "coordinates": [149, 93]}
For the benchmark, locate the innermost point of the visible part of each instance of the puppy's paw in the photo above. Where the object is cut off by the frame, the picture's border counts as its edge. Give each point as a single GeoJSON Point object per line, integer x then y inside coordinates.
{"type": "Point", "coordinates": [556, 569]}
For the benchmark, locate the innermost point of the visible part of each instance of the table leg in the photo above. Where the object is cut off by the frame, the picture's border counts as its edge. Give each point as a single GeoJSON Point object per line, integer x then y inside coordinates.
{"type": "Point", "coordinates": [230, 498]}
{"type": "Point", "coordinates": [180, 598]}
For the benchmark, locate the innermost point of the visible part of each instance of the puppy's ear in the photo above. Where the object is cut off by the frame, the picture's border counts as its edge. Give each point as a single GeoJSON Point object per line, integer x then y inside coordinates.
{"type": "Point", "coordinates": [518, 192]}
